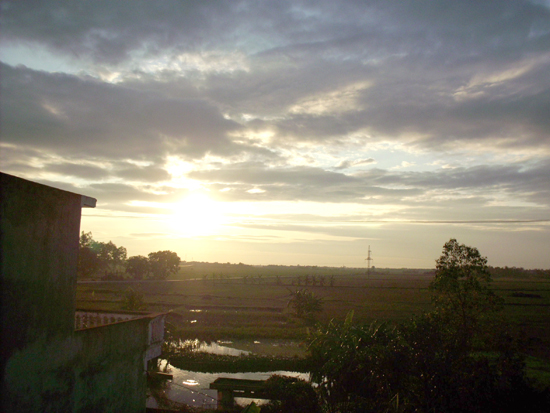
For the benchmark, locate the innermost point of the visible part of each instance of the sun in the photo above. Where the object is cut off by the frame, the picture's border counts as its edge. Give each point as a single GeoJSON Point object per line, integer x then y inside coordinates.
{"type": "Point", "coordinates": [197, 215]}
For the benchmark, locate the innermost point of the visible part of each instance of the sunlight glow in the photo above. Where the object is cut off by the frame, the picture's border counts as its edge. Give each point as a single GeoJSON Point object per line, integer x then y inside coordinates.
{"type": "Point", "coordinates": [197, 215]}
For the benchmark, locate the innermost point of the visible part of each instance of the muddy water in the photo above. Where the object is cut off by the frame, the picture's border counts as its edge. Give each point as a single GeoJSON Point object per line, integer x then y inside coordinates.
{"type": "Point", "coordinates": [192, 388]}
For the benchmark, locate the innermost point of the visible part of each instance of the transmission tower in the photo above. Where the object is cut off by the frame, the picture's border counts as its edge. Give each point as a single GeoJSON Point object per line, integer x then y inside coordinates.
{"type": "Point", "coordinates": [368, 259]}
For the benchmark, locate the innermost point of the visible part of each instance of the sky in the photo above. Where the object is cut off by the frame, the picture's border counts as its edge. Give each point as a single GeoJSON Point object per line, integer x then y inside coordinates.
{"type": "Point", "coordinates": [288, 132]}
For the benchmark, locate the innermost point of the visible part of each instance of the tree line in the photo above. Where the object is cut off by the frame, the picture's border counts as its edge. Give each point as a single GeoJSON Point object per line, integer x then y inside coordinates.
{"type": "Point", "coordinates": [95, 258]}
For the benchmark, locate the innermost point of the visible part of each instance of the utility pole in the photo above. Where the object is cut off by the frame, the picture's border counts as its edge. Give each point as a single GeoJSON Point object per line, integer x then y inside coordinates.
{"type": "Point", "coordinates": [368, 259]}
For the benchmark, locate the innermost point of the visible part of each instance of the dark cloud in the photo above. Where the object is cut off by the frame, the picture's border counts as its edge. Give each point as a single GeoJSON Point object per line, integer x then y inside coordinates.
{"type": "Point", "coordinates": [143, 174]}
{"type": "Point", "coordinates": [75, 116]}
{"type": "Point", "coordinates": [415, 56]}
{"type": "Point", "coordinates": [79, 170]}
{"type": "Point", "coordinates": [107, 31]}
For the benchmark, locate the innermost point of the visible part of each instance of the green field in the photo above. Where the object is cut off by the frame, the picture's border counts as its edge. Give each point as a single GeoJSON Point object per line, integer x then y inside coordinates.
{"type": "Point", "coordinates": [223, 301]}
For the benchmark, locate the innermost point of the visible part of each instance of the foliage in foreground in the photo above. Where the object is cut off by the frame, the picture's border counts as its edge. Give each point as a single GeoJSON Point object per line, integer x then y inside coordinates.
{"type": "Point", "coordinates": [371, 367]}
{"type": "Point", "coordinates": [290, 395]}
{"type": "Point", "coordinates": [454, 359]}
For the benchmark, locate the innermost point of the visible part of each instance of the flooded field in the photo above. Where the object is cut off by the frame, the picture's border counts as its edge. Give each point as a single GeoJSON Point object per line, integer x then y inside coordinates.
{"type": "Point", "coordinates": [265, 347]}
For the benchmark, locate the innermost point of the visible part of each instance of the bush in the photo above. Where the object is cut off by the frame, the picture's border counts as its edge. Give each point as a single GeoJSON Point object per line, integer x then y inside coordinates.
{"type": "Point", "coordinates": [134, 300]}
{"type": "Point", "coordinates": [290, 395]}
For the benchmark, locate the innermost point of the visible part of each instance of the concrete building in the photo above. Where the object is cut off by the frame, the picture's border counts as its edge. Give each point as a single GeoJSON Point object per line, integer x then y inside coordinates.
{"type": "Point", "coordinates": [47, 364]}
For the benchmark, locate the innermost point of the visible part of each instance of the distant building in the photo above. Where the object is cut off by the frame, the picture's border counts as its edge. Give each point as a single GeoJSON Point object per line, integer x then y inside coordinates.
{"type": "Point", "coordinates": [52, 358]}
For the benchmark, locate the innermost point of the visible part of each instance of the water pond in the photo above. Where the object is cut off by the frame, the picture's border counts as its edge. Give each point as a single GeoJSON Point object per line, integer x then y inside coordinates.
{"type": "Point", "coordinates": [192, 388]}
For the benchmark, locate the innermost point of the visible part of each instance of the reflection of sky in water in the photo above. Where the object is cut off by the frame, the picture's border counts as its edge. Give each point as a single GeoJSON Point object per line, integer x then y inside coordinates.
{"type": "Point", "coordinates": [286, 348]}
{"type": "Point", "coordinates": [192, 388]}
{"type": "Point", "coordinates": [214, 347]}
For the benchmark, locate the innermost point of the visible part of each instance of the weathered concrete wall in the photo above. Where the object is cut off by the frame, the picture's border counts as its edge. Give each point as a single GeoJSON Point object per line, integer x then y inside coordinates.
{"type": "Point", "coordinates": [46, 365]}
{"type": "Point", "coordinates": [109, 373]}
{"type": "Point", "coordinates": [95, 370]}
{"type": "Point", "coordinates": [40, 229]}
{"type": "Point", "coordinates": [40, 377]}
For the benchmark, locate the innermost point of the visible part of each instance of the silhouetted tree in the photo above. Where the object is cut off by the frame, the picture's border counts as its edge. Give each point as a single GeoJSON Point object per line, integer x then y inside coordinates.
{"type": "Point", "coordinates": [163, 263]}
{"type": "Point", "coordinates": [88, 259]}
{"type": "Point", "coordinates": [449, 360]}
{"type": "Point", "coordinates": [137, 266]}
{"type": "Point", "coordinates": [111, 256]}
{"type": "Point", "coordinates": [461, 290]}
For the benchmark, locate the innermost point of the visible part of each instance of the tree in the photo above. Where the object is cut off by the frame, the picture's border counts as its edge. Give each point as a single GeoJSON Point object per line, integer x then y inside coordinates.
{"type": "Point", "coordinates": [137, 266]}
{"type": "Point", "coordinates": [111, 256]}
{"type": "Point", "coordinates": [461, 290]}
{"type": "Point", "coordinates": [163, 263]}
{"type": "Point", "coordinates": [88, 259]}
{"type": "Point", "coordinates": [417, 366]}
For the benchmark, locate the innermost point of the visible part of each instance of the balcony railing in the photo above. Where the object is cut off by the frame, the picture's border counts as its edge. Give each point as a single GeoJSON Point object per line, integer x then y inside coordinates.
{"type": "Point", "coordinates": [89, 318]}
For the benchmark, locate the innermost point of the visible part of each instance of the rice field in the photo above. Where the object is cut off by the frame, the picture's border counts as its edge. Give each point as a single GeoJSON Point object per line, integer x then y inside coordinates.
{"type": "Point", "coordinates": [206, 302]}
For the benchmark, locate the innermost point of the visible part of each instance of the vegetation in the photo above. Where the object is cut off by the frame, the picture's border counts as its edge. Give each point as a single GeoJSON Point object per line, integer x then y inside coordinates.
{"type": "Point", "coordinates": [94, 257]}
{"type": "Point", "coordinates": [305, 305]}
{"type": "Point", "coordinates": [461, 293]}
{"type": "Point", "coordinates": [137, 266]}
{"type": "Point", "coordinates": [290, 395]}
{"type": "Point", "coordinates": [429, 363]}
{"type": "Point", "coordinates": [455, 354]}
{"type": "Point", "coordinates": [134, 300]}
{"type": "Point", "coordinates": [105, 257]}
{"type": "Point", "coordinates": [163, 263]}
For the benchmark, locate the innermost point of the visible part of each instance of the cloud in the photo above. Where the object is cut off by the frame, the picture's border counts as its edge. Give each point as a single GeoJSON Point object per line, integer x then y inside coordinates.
{"type": "Point", "coordinates": [305, 104]}
{"type": "Point", "coordinates": [143, 174]}
{"type": "Point", "coordinates": [346, 164]}
{"type": "Point", "coordinates": [78, 170]}
{"type": "Point", "coordinates": [79, 116]}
